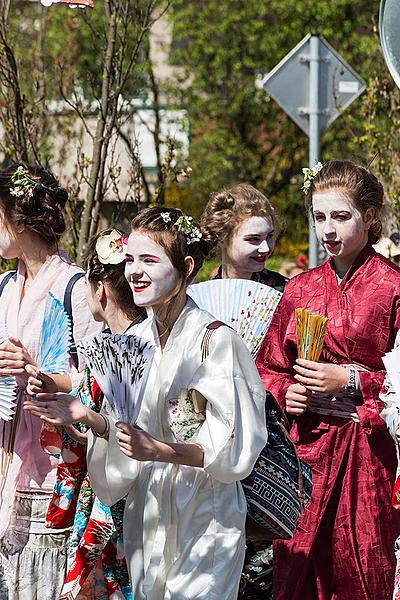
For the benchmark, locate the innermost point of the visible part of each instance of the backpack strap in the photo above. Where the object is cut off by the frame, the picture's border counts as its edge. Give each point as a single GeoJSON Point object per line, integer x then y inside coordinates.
{"type": "Point", "coordinates": [68, 309]}
{"type": "Point", "coordinates": [5, 280]}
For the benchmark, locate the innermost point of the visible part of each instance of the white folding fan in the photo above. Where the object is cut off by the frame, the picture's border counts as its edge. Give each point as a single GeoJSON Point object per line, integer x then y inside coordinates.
{"type": "Point", "coordinates": [120, 364]}
{"type": "Point", "coordinates": [246, 306]}
{"type": "Point", "coordinates": [391, 412]}
{"type": "Point", "coordinates": [8, 387]}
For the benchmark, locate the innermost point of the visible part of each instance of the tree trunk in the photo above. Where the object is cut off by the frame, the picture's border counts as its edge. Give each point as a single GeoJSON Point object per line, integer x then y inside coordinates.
{"type": "Point", "coordinates": [97, 156]}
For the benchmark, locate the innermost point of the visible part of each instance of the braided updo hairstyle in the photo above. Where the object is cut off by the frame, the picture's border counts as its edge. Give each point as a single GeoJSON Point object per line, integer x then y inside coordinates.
{"type": "Point", "coordinates": [226, 210]}
{"type": "Point", "coordinates": [39, 209]}
{"type": "Point", "coordinates": [114, 276]}
{"type": "Point", "coordinates": [362, 186]}
{"type": "Point", "coordinates": [158, 223]}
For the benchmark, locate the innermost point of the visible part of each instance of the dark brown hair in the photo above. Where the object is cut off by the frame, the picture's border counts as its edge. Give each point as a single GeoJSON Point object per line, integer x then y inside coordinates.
{"type": "Point", "coordinates": [363, 187]}
{"type": "Point", "coordinates": [174, 242]}
{"type": "Point", "coordinates": [40, 209]}
{"type": "Point", "coordinates": [227, 209]}
{"type": "Point", "coordinates": [114, 276]}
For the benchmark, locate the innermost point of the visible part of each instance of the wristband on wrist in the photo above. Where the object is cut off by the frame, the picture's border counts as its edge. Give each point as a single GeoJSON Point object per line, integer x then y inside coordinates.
{"type": "Point", "coordinates": [106, 428]}
{"type": "Point", "coordinates": [351, 387]}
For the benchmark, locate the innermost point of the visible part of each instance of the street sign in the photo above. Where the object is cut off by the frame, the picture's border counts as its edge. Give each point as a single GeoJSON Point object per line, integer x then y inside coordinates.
{"type": "Point", "coordinates": [289, 84]}
{"type": "Point", "coordinates": [71, 3]}
{"type": "Point", "coordinates": [313, 85]}
{"type": "Point", "coordinates": [389, 22]}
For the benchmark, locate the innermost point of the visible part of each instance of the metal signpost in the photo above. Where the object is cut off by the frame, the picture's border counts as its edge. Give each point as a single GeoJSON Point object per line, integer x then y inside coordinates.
{"type": "Point", "coordinates": [313, 85]}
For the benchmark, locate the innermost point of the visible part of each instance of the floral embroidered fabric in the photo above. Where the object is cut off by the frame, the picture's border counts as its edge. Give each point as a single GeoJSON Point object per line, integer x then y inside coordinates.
{"type": "Point", "coordinates": [96, 562]}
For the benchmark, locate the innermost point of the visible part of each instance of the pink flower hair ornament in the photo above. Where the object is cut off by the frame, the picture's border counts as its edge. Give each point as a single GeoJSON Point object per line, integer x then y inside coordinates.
{"type": "Point", "coordinates": [111, 247]}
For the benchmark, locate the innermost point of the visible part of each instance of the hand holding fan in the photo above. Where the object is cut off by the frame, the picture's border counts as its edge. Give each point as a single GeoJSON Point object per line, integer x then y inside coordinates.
{"type": "Point", "coordinates": [246, 306]}
{"type": "Point", "coordinates": [54, 351]}
{"type": "Point", "coordinates": [310, 328]}
{"type": "Point", "coordinates": [120, 364]}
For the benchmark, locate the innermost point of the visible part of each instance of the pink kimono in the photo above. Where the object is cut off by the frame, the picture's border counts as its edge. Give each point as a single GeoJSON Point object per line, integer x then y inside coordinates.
{"type": "Point", "coordinates": [343, 546]}
{"type": "Point", "coordinates": [32, 472]}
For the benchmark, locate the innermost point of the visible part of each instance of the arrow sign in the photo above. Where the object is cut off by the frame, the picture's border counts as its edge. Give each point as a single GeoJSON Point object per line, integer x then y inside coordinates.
{"type": "Point", "coordinates": [289, 84]}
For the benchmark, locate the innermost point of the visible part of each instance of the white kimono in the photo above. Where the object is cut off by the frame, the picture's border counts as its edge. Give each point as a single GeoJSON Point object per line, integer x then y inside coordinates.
{"type": "Point", "coordinates": [184, 533]}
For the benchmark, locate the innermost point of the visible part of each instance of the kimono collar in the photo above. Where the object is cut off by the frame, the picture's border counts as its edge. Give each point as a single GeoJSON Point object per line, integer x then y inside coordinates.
{"type": "Point", "coordinates": [178, 325]}
{"type": "Point", "coordinates": [364, 256]}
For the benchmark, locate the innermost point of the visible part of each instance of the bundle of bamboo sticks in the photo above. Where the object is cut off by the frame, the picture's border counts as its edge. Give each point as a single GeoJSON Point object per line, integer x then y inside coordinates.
{"type": "Point", "coordinates": [310, 328]}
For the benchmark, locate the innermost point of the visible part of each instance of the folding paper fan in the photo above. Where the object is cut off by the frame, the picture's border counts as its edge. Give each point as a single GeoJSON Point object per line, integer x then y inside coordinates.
{"type": "Point", "coordinates": [8, 387]}
{"type": "Point", "coordinates": [391, 360]}
{"type": "Point", "coordinates": [310, 328]}
{"type": "Point", "coordinates": [391, 399]}
{"type": "Point", "coordinates": [55, 341]}
{"type": "Point", "coordinates": [246, 306]}
{"type": "Point", "coordinates": [120, 364]}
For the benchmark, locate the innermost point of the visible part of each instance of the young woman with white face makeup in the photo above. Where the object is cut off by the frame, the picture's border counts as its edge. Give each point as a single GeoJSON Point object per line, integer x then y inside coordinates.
{"type": "Point", "coordinates": [32, 560]}
{"type": "Point", "coordinates": [343, 545]}
{"type": "Point", "coordinates": [95, 551]}
{"type": "Point", "coordinates": [200, 428]}
{"type": "Point", "coordinates": [243, 226]}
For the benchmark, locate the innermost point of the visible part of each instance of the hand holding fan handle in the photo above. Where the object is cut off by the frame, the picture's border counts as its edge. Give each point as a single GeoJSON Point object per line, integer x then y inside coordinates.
{"type": "Point", "coordinates": [313, 376]}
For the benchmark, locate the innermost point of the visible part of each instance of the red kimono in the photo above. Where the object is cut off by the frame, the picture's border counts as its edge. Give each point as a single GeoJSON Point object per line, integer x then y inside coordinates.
{"type": "Point", "coordinates": [343, 545]}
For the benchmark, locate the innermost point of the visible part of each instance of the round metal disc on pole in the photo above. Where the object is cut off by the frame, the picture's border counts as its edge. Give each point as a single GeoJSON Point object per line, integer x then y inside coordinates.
{"type": "Point", "coordinates": [389, 24]}
{"type": "Point", "coordinates": [70, 3]}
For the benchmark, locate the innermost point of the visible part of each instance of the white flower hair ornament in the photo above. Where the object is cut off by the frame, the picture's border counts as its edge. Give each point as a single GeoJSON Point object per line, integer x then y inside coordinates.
{"type": "Point", "coordinates": [111, 248]}
{"type": "Point", "coordinates": [166, 217]}
{"type": "Point", "coordinates": [189, 229]}
{"type": "Point", "coordinates": [309, 175]}
{"type": "Point", "coordinates": [23, 183]}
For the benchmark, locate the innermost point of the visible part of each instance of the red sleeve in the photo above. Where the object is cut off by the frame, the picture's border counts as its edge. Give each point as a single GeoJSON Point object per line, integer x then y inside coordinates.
{"type": "Point", "coordinates": [369, 412]}
{"type": "Point", "coordinates": [278, 351]}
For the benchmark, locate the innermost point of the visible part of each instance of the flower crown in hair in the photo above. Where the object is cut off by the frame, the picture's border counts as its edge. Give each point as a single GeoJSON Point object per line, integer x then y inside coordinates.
{"type": "Point", "coordinates": [309, 175]}
{"type": "Point", "coordinates": [111, 248]}
{"type": "Point", "coordinates": [186, 225]}
{"type": "Point", "coordinates": [23, 183]}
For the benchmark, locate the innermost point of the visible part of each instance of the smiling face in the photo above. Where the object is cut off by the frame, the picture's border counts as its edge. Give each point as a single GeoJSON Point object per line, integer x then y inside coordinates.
{"type": "Point", "coordinates": [250, 245]}
{"type": "Point", "coordinates": [149, 271]}
{"type": "Point", "coordinates": [340, 227]}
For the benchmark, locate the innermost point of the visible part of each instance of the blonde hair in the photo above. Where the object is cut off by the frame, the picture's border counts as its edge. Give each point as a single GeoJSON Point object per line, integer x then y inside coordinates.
{"type": "Point", "coordinates": [227, 209]}
{"type": "Point", "coordinates": [363, 187]}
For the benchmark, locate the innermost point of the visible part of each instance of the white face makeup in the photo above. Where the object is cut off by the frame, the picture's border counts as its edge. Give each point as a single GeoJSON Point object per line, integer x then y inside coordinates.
{"type": "Point", "coordinates": [8, 244]}
{"type": "Point", "coordinates": [251, 244]}
{"type": "Point", "coordinates": [339, 226]}
{"type": "Point", "coordinates": [150, 273]}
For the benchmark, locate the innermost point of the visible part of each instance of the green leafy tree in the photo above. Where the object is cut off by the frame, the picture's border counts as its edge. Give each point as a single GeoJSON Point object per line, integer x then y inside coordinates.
{"type": "Point", "coordinates": [237, 132]}
{"type": "Point", "coordinates": [60, 68]}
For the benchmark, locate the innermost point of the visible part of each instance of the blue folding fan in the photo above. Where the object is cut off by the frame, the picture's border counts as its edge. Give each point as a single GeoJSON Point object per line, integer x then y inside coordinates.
{"type": "Point", "coordinates": [56, 338]}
